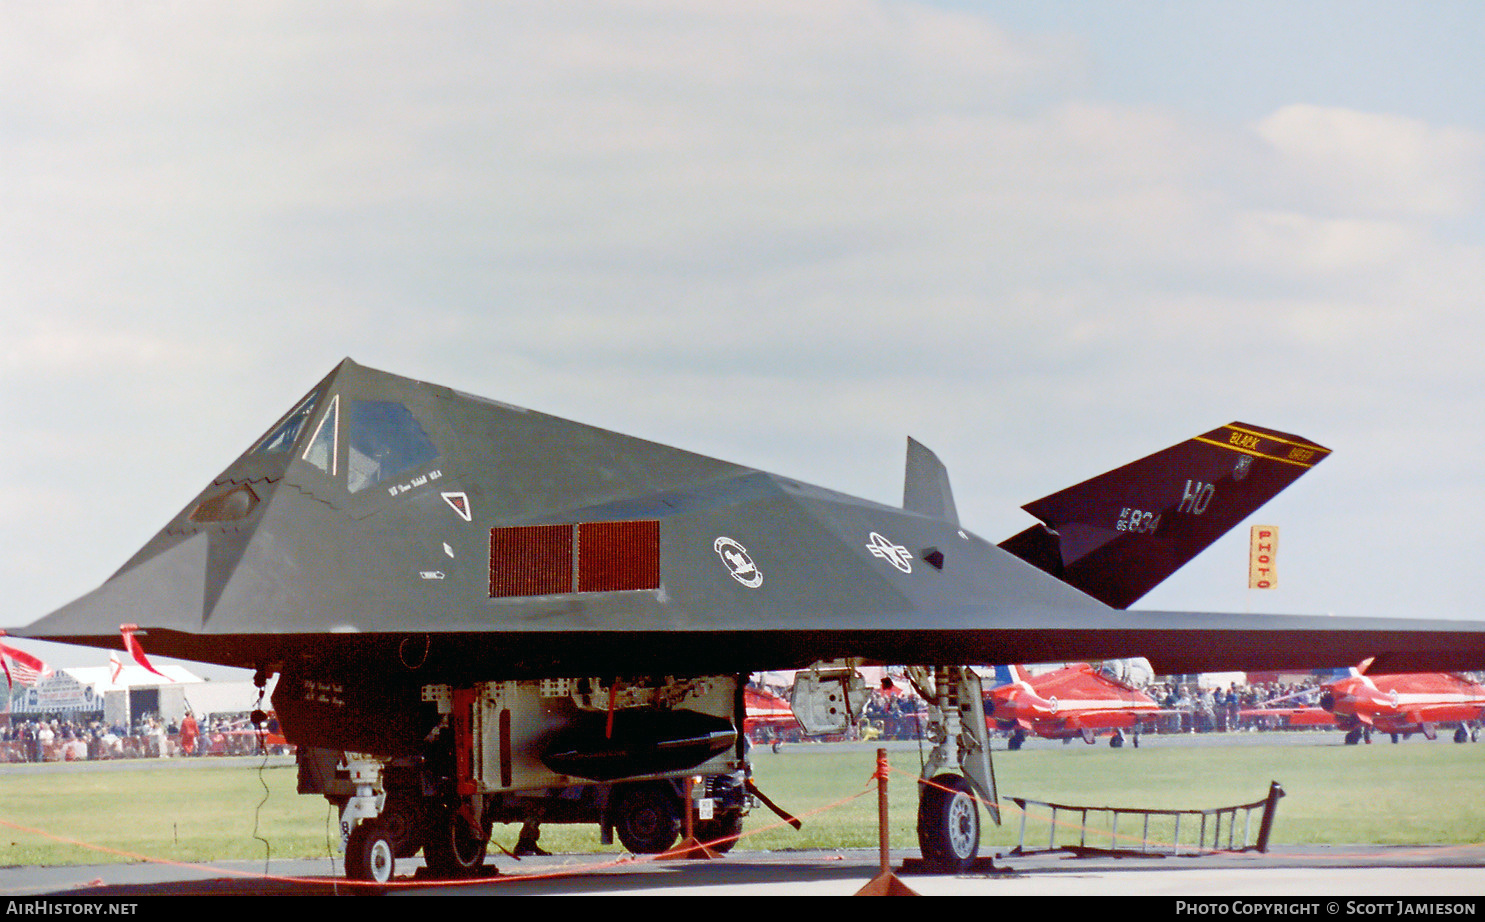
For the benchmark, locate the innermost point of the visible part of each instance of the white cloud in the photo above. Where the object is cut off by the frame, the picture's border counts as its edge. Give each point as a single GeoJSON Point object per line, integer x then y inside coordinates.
{"type": "Point", "coordinates": [1315, 246]}
{"type": "Point", "coordinates": [1380, 163]}
{"type": "Point", "coordinates": [862, 219]}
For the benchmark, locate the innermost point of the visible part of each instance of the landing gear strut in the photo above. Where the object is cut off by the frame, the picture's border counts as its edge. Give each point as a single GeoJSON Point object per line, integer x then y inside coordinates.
{"type": "Point", "coordinates": [948, 802]}
{"type": "Point", "coordinates": [380, 827]}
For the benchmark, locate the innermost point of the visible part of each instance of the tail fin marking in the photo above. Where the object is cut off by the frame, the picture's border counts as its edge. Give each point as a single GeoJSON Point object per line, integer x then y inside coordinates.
{"type": "Point", "coordinates": [1120, 534]}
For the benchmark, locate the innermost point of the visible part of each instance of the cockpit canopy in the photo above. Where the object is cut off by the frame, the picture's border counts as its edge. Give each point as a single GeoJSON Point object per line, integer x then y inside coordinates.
{"type": "Point", "coordinates": [377, 441]}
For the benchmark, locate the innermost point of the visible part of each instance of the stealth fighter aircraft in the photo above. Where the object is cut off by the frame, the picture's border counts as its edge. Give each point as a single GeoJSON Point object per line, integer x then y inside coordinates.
{"type": "Point", "coordinates": [481, 613]}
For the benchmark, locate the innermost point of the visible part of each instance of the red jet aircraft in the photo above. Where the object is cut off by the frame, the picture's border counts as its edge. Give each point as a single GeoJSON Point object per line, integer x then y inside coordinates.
{"type": "Point", "coordinates": [767, 716]}
{"type": "Point", "coordinates": [1074, 701]}
{"type": "Point", "coordinates": [1404, 704]}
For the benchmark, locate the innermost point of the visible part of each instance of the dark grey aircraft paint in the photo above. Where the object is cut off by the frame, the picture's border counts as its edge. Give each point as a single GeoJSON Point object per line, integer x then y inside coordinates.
{"type": "Point", "coordinates": [388, 522]}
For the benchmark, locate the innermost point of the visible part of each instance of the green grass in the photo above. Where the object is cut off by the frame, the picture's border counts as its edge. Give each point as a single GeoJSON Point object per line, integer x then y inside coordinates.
{"type": "Point", "coordinates": [189, 815]}
{"type": "Point", "coordinates": [1412, 793]}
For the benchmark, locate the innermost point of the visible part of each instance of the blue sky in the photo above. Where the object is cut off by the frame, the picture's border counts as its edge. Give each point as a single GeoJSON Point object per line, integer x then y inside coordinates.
{"type": "Point", "coordinates": [1043, 239]}
{"type": "Point", "coordinates": [1242, 61]}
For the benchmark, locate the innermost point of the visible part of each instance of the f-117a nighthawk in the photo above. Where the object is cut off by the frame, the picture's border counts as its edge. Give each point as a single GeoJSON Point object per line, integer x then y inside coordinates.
{"type": "Point", "coordinates": [481, 613]}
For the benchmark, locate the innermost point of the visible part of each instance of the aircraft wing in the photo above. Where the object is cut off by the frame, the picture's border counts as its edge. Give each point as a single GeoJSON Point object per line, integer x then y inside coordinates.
{"type": "Point", "coordinates": [390, 524]}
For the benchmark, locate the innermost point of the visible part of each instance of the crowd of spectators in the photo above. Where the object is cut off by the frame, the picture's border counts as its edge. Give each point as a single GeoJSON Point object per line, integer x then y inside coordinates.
{"type": "Point", "coordinates": [895, 712]}
{"type": "Point", "coordinates": [1195, 709]}
{"type": "Point", "coordinates": [74, 739]}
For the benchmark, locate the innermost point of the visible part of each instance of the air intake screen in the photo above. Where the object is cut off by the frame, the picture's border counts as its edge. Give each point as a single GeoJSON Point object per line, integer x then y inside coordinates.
{"type": "Point", "coordinates": [530, 560]}
{"type": "Point", "coordinates": [614, 556]}
{"type": "Point", "coordinates": [587, 557]}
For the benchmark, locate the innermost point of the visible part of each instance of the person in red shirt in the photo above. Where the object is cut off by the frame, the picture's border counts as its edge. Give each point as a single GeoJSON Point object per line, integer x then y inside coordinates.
{"type": "Point", "coordinates": [188, 733]}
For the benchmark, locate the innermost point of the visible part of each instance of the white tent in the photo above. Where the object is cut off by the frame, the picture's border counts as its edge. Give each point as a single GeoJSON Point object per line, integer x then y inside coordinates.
{"type": "Point", "coordinates": [211, 698]}
{"type": "Point", "coordinates": [83, 688]}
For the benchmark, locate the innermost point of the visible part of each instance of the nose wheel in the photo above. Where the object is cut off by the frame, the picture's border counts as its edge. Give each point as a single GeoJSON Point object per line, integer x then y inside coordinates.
{"type": "Point", "coordinates": [370, 854]}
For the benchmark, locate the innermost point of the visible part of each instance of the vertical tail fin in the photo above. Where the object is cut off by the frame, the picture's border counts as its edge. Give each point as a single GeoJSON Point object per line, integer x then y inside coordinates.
{"type": "Point", "coordinates": [1120, 534]}
{"type": "Point", "coordinates": [925, 487]}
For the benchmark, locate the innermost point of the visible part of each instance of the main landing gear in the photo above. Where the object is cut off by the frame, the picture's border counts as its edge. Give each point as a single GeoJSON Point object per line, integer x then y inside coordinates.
{"type": "Point", "coordinates": [948, 801]}
{"type": "Point", "coordinates": [957, 776]}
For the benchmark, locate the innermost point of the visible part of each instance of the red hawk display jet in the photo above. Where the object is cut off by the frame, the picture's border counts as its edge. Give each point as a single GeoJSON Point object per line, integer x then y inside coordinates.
{"type": "Point", "coordinates": [1401, 705]}
{"type": "Point", "coordinates": [1075, 701]}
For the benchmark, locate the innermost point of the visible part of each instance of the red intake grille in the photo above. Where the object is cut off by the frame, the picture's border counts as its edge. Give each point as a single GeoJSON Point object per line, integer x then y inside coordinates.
{"type": "Point", "coordinates": [615, 556]}
{"type": "Point", "coordinates": [530, 560]}
{"type": "Point", "coordinates": [610, 557]}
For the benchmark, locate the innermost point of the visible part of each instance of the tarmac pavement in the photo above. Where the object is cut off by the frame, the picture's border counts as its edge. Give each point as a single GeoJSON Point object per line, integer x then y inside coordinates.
{"type": "Point", "coordinates": [1363, 872]}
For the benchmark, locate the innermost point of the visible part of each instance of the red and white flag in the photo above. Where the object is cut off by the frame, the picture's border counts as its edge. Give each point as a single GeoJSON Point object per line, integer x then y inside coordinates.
{"type": "Point", "coordinates": [131, 643]}
{"type": "Point", "coordinates": [21, 666]}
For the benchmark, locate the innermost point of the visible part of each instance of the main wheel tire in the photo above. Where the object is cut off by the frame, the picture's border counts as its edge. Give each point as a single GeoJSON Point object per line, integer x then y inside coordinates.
{"type": "Point", "coordinates": [948, 823]}
{"type": "Point", "coordinates": [404, 822]}
{"type": "Point", "coordinates": [453, 850]}
{"type": "Point", "coordinates": [647, 818]}
{"type": "Point", "coordinates": [370, 853]}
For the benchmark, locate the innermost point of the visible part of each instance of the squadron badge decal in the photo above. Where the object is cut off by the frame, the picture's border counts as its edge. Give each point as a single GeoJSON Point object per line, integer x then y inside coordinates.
{"type": "Point", "coordinates": [738, 563]}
